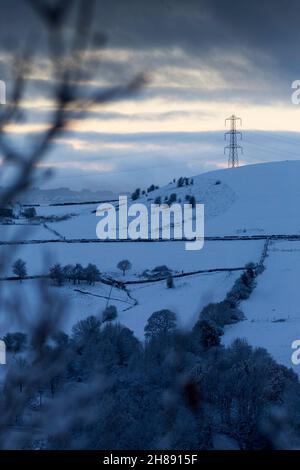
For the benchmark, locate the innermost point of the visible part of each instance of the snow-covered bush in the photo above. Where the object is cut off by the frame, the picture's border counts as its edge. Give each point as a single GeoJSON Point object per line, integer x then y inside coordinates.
{"type": "Point", "coordinates": [29, 213]}
{"type": "Point", "coordinates": [170, 282]}
{"type": "Point", "coordinates": [85, 330]}
{"type": "Point", "coordinates": [172, 198]}
{"type": "Point", "coordinates": [57, 274]}
{"type": "Point", "coordinates": [160, 323]}
{"type": "Point", "coordinates": [19, 269]}
{"type": "Point", "coordinates": [178, 389]}
{"type": "Point", "coordinates": [91, 274]}
{"type": "Point", "coordinates": [221, 314]}
{"type": "Point", "coordinates": [161, 271]}
{"type": "Point", "coordinates": [206, 334]}
{"type": "Point", "coordinates": [136, 194]}
{"type": "Point", "coordinates": [15, 342]}
{"type": "Point", "coordinates": [243, 286]}
{"type": "Point", "coordinates": [109, 314]}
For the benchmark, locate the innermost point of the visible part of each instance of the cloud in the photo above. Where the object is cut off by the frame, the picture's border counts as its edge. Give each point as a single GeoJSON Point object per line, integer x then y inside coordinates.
{"type": "Point", "coordinates": [205, 59]}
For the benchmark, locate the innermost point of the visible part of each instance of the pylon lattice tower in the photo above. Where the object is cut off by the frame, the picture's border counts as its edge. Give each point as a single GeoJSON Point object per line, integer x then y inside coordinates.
{"type": "Point", "coordinates": [233, 147]}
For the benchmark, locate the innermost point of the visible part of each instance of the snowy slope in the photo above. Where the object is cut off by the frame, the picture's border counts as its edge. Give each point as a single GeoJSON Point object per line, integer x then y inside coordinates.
{"type": "Point", "coordinates": [253, 199]}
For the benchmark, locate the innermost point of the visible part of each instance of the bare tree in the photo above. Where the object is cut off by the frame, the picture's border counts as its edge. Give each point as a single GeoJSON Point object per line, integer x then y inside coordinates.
{"type": "Point", "coordinates": [68, 62]}
{"type": "Point", "coordinates": [67, 55]}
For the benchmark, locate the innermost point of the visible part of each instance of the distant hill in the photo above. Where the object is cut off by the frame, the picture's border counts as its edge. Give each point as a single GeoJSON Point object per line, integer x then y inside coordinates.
{"type": "Point", "coordinates": [59, 195]}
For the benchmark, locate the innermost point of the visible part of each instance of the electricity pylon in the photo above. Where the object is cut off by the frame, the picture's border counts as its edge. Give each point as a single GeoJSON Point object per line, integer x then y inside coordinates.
{"type": "Point", "coordinates": [233, 147]}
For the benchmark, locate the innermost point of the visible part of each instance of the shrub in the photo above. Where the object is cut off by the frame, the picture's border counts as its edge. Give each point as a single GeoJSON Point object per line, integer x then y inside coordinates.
{"type": "Point", "coordinates": [170, 282]}
{"type": "Point", "coordinates": [109, 314]}
{"type": "Point", "coordinates": [161, 271]}
{"type": "Point", "coordinates": [78, 273]}
{"type": "Point", "coordinates": [180, 182]}
{"type": "Point", "coordinates": [91, 274]}
{"type": "Point", "coordinates": [15, 342]}
{"type": "Point", "coordinates": [136, 194]}
{"type": "Point", "coordinates": [68, 271]}
{"type": "Point", "coordinates": [207, 334]}
{"type": "Point", "coordinates": [86, 330]}
{"type": "Point", "coordinates": [239, 292]}
{"type": "Point", "coordinates": [160, 323]}
{"type": "Point", "coordinates": [57, 274]}
{"type": "Point", "coordinates": [243, 286]}
{"type": "Point", "coordinates": [6, 212]}
{"type": "Point", "coordinates": [29, 213]}
{"type": "Point", "coordinates": [221, 314]}
{"type": "Point", "coordinates": [19, 269]}
{"type": "Point", "coordinates": [151, 188]}
{"type": "Point", "coordinates": [192, 201]}
{"type": "Point", "coordinates": [172, 198]}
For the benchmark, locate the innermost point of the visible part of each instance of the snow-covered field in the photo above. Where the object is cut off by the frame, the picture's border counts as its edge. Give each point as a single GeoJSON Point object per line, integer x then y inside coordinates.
{"type": "Point", "coordinates": [74, 209]}
{"type": "Point", "coordinates": [273, 310]}
{"type": "Point", "coordinates": [253, 200]}
{"type": "Point", "coordinates": [142, 255]}
{"type": "Point", "coordinates": [19, 232]}
{"type": "Point", "coordinates": [186, 300]}
{"type": "Point", "coordinates": [28, 297]}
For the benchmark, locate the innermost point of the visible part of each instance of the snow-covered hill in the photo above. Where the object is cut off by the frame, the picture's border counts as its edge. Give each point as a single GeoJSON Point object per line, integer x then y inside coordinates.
{"type": "Point", "coordinates": [253, 199]}
{"type": "Point", "coordinates": [259, 199]}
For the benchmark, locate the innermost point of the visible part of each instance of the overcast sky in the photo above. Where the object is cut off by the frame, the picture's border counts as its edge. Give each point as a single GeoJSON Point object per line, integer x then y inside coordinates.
{"type": "Point", "coordinates": [204, 59]}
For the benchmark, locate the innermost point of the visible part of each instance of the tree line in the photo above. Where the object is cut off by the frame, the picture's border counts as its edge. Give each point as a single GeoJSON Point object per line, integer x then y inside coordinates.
{"type": "Point", "coordinates": [176, 390]}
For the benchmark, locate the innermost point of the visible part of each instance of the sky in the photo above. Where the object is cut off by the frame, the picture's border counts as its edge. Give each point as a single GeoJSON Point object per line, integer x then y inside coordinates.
{"type": "Point", "coordinates": [204, 60]}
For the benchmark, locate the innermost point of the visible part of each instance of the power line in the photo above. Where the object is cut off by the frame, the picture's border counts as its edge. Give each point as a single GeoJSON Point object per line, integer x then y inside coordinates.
{"type": "Point", "coordinates": [275, 136]}
{"type": "Point", "coordinates": [233, 147]}
{"type": "Point", "coordinates": [271, 149]}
